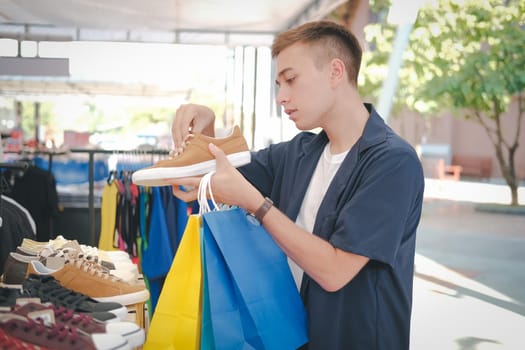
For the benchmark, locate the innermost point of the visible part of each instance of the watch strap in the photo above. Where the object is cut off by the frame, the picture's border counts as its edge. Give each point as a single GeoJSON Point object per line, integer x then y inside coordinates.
{"type": "Point", "coordinates": [263, 209]}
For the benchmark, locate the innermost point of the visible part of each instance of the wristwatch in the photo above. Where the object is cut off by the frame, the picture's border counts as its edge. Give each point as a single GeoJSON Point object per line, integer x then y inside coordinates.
{"type": "Point", "coordinates": [263, 209]}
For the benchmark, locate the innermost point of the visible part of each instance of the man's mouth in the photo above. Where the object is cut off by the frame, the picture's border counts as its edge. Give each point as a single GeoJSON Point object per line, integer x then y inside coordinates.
{"type": "Point", "coordinates": [290, 111]}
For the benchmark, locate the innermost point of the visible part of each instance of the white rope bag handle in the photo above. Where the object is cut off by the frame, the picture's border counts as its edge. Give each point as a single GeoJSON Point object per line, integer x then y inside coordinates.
{"type": "Point", "coordinates": [202, 198]}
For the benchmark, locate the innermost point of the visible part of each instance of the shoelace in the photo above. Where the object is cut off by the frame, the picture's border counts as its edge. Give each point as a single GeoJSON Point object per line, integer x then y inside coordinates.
{"type": "Point", "coordinates": [67, 253]}
{"type": "Point", "coordinates": [56, 331]}
{"type": "Point", "coordinates": [90, 251]}
{"type": "Point", "coordinates": [8, 342]}
{"type": "Point", "coordinates": [92, 267]}
{"type": "Point", "coordinates": [49, 290]}
{"type": "Point", "coordinates": [179, 150]}
{"type": "Point", "coordinates": [8, 296]}
{"type": "Point", "coordinates": [83, 262]}
{"type": "Point", "coordinates": [69, 316]}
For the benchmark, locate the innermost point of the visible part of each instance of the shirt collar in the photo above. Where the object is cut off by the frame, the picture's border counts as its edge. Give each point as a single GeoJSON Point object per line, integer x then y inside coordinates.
{"type": "Point", "coordinates": [375, 132]}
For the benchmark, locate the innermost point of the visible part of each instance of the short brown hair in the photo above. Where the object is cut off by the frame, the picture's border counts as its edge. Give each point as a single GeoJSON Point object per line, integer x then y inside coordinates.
{"type": "Point", "coordinates": [331, 39]}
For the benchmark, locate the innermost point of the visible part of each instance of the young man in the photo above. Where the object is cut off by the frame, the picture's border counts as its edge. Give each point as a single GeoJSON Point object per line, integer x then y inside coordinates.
{"type": "Point", "coordinates": [346, 201]}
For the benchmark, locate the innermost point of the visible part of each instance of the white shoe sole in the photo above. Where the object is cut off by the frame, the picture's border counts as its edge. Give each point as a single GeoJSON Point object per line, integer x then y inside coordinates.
{"type": "Point", "coordinates": [12, 286]}
{"type": "Point", "coordinates": [126, 299]}
{"type": "Point", "coordinates": [155, 177]}
{"type": "Point", "coordinates": [129, 330]}
{"type": "Point", "coordinates": [7, 285]}
{"type": "Point", "coordinates": [121, 313]}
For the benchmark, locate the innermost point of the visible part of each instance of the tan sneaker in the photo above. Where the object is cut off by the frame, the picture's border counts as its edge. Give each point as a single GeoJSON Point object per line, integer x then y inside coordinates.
{"type": "Point", "coordinates": [195, 159]}
{"type": "Point", "coordinates": [36, 246]}
{"type": "Point", "coordinates": [86, 277]}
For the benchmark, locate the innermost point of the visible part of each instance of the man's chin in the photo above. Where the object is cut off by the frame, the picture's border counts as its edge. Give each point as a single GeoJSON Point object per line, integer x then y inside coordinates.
{"type": "Point", "coordinates": [302, 126]}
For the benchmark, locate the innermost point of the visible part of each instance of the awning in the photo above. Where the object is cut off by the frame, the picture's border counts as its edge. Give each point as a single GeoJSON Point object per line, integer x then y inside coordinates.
{"type": "Point", "coordinates": [174, 21]}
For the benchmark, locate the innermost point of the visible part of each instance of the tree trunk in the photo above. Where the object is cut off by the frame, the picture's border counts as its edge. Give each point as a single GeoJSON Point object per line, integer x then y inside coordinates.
{"type": "Point", "coordinates": [505, 153]}
{"type": "Point", "coordinates": [508, 170]}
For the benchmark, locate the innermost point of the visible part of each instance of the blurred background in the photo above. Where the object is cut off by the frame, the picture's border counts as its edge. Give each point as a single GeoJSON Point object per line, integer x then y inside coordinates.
{"type": "Point", "coordinates": [90, 87]}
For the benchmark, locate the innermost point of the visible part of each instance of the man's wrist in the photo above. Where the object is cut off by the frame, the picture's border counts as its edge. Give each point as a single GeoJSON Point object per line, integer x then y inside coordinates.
{"type": "Point", "coordinates": [263, 209]}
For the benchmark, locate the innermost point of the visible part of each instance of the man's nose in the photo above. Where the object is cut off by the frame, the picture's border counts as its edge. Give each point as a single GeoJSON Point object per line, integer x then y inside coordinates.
{"type": "Point", "coordinates": [282, 97]}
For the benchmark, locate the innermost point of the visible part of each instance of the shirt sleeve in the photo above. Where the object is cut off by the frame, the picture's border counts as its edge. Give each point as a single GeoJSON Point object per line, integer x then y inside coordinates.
{"type": "Point", "coordinates": [264, 164]}
{"type": "Point", "coordinates": [376, 219]}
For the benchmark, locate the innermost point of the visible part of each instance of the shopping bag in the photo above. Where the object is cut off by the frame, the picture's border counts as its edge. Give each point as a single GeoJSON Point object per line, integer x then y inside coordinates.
{"type": "Point", "coordinates": [207, 341]}
{"type": "Point", "coordinates": [266, 301]}
{"type": "Point", "coordinates": [176, 323]}
{"type": "Point", "coordinates": [228, 322]}
{"type": "Point", "coordinates": [251, 295]}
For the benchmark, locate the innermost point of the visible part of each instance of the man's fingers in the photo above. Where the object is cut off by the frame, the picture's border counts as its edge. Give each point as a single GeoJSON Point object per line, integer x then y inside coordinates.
{"type": "Point", "coordinates": [186, 182]}
{"type": "Point", "coordinates": [180, 126]}
{"type": "Point", "coordinates": [219, 155]}
{"type": "Point", "coordinates": [185, 194]}
{"type": "Point", "coordinates": [185, 188]}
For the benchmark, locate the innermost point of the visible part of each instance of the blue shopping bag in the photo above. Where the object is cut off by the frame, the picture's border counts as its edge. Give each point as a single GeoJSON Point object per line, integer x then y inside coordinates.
{"type": "Point", "coordinates": [226, 323]}
{"type": "Point", "coordinates": [252, 298]}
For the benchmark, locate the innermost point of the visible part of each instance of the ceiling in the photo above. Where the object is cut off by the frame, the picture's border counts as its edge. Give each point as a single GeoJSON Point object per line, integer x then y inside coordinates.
{"type": "Point", "coordinates": [155, 20]}
{"type": "Point", "coordinates": [33, 86]}
{"type": "Point", "coordinates": [222, 22]}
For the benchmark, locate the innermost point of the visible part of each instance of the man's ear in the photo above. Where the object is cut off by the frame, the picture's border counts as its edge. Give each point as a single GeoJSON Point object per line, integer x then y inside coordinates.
{"type": "Point", "coordinates": [337, 71]}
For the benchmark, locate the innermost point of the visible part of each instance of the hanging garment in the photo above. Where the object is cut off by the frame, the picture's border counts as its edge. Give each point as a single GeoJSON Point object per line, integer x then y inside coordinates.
{"type": "Point", "coordinates": [16, 224]}
{"type": "Point", "coordinates": [129, 215]}
{"type": "Point", "coordinates": [36, 191]}
{"type": "Point", "coordinates": [108, 215]}
{"type": "Point", "coordinates": [176, 212]}
{"type": "Point", "coordinates": [121, 217]}
{"type": "Point", "coordinates": [157, 257]}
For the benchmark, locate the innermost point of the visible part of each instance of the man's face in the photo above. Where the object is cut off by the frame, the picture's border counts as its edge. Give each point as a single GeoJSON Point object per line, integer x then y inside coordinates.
{"type": "Point", "coordinates": [303, 88]}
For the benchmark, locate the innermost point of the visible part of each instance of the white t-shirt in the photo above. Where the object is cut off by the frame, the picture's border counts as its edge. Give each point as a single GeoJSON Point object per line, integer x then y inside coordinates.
{"type": "Point", "coordinates": [327, 166]}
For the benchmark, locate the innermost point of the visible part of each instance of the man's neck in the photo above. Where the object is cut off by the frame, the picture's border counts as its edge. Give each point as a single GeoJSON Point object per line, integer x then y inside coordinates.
{"type": "Point", "coordinates": [347, 123]}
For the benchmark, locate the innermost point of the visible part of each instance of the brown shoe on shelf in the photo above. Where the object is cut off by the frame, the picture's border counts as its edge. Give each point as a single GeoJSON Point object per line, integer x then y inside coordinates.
{"type": "Point", "coordinates": [86, 277]}
{"type": "Point", "coordinates": [195, 159]}
{"type": "Point", "coordinates": [15, 269]}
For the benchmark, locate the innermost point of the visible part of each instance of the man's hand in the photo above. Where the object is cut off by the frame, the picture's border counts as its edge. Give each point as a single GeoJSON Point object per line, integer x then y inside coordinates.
{"type": "Point", "coordinates": [185, 188]}
{"type": "Point", "coordinates": [194, 118]}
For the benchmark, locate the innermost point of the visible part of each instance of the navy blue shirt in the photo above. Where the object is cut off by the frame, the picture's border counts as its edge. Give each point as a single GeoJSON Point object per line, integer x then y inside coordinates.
{"type": "Point", "coordinates": [371, 208]}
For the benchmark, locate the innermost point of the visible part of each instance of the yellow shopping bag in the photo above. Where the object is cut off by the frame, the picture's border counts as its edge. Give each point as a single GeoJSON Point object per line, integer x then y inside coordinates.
{"type": "Point", "coordinates": [176, 323]}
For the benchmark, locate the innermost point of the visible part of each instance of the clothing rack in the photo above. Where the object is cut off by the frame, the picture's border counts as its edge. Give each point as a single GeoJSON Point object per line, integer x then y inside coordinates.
{"type": "Point", "coordinates": [14, 165]}
{"type": "Point", "coordinates": [50, 154]}
{"type": "Point", "coordinates": [22, 166]}
{"type": "Point", "coordinates": [91, 177]}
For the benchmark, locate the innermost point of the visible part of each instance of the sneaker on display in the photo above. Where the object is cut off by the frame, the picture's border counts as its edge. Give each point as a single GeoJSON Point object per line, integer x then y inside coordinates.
{"type": "Point", "coordinates": [48, 289]}
{"type": "Point", "coordinates": [56, 336]}
{"type": "Point", "coordinates": [194, 158]}
{"type": "Point", "coordinates": [15, 269]}
{"type": "Point", "coordinates": [35, 246]}
{"type": "Point", "coordinates": [8, 297]}
{"type": "Point", "coordinates": [90, 279]}
{"type": "Point", "coordinates": [32, 247]}
{"type": "Point", "coordinates": [55, 259]}
{"type": "Point", "coordinates": [8, 342]}
{"type": "Point", "coordinates": [129, 330]}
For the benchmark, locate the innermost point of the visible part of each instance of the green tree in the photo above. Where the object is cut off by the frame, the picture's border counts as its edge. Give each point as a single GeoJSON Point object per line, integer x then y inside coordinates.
{"type": "Point", "coordinates": [470, 56]}
{"type": "Point", "coordinates": [466, 56]}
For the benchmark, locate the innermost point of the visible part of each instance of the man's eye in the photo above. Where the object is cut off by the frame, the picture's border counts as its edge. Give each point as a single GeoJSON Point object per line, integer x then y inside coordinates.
{"type": "Point", "coordinates": [290, 80]}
